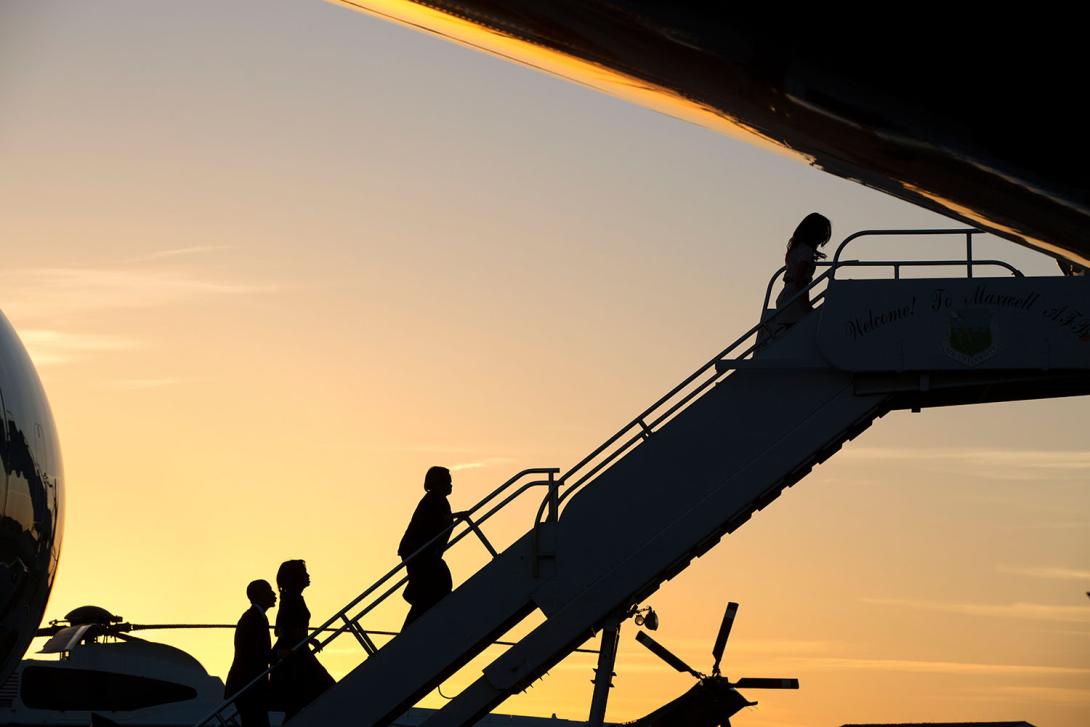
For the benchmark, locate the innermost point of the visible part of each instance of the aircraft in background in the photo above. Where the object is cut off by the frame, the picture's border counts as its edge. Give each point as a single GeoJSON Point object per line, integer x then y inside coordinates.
{"type": "Point", "coordinates": [103, 675]}
{"type": "Point", "coordinates": [714, 699]}
{"type": "Point", "coordinates": [32, 492]}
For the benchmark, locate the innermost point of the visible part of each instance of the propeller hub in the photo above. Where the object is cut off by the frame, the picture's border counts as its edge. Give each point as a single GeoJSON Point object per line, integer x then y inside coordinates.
{"type": "Point", "coordinates": [95, 615]}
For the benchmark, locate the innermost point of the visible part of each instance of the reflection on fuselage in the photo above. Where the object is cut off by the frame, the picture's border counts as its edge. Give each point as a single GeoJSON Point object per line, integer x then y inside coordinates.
{"type": "Point", "coordinates": [31, 498]}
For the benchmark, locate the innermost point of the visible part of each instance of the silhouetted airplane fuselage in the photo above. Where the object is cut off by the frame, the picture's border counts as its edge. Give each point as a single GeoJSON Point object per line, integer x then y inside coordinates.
{"type": "Point", "coordinates": [951, 114]}
{"type": "Point", "coordinates": [31, 498]}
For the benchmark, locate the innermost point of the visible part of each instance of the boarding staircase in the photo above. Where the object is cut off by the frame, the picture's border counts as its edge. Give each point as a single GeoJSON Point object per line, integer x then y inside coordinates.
{"type": "Point", "coordinates": [701, 460]}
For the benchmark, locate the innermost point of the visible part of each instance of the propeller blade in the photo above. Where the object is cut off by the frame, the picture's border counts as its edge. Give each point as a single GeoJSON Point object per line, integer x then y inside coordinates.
{"type": "Point", "coordinates": [661, 652]}
{"type": "Point", "coordinates": [48, 630]}
{"type": "Point", "coordinates": [724, 634]}
{"type": "Point", "coordinates": [66, 639]}
{"type": "Point", "coordinates": [146, 627]}
{"type": "Point", "coordinates": [765, 683]}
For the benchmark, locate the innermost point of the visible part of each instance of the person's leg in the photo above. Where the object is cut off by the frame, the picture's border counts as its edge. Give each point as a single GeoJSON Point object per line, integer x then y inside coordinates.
{"type": "Point", "coordinates": [414, 613]}
{"type": "Point", "coordinates": [253, 714]}
{"type": "Point", "coordinates": [444, 581]}
{"type": "Point", "coordinates": [428, 583]}
{"type": "Point", "coordinates": [427, 598]}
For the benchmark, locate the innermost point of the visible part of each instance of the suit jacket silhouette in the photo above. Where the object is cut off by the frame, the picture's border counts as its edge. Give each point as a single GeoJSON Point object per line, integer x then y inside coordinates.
{"type": "Point", "coordinates": [253, 648]}
{"type": "Point", "coordinates": [429, 577]}
{"type": "Point", "coordinates": [431, 517]}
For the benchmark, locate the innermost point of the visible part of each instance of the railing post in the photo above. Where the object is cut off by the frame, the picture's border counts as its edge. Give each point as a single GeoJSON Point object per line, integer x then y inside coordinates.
{"type": "Point", "coordinates": [969, 253]}
{"type": "Point", "coordinates": [554, 498]}
{"type": "Point", "coordinates": [361, 635]}
{"type": "Point", "coordinates": [480, 536]}
{"type": "Point", "coordinates": [544, 539]}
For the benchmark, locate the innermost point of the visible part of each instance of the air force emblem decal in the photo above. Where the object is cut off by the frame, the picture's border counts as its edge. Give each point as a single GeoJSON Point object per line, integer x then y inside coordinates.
{"type": "Point", "coordinates": [970, 337]}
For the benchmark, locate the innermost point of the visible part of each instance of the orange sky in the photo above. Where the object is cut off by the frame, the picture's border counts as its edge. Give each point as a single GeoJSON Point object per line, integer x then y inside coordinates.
{"type": "Point", "coordinates": [274, 263]}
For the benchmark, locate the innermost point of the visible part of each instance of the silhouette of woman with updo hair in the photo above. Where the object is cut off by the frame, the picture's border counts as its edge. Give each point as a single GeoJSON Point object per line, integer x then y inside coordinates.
{"type": "Point", "coordinates": [299, 677]}
{"type": "Point", "coordinates": [801, 262]}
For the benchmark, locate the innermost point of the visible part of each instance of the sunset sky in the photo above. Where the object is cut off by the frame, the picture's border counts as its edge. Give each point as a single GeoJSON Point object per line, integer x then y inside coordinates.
{"type": "Point", "coordinates": [274, 260]}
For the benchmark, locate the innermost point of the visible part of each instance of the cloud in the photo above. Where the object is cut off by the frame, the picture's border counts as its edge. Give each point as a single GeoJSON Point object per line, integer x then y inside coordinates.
{"type": "Point", "coordinates": [46, 294]}
{"type": "Point", "coordinates": [39, 292]}
{"type": "Point", "coordinates": [1059, 525]}
{"type": "Point", "coordinates": [760, 653]}
{"type": "Point", "coordinates": [1030, 611]}
{"type": "Point", "coordinates": [939, 667]}
{"type": "Point", "coordinates": [140, 384]}
{"type": "Point", "coordinates": [1008, 464]}
{"type": "Point", "coordinates": [480, 463]}
{"type": "Point", "coordinates": [1023, 694]}
{"type": "Point", "coordinates": [49, 347]}
{"type": "Point", "coordinates": [759, 646]}
{"type": "Point", "coordinates": [1047, 572]}
{"type": "Point", "coordinates": [1068, 632]}
{"type": "Point", "coordinates": [782, 646]}
{"type": "Point", "coordinates": [178, 252]}
{"type": "Point", "coordinates": [431, 448]}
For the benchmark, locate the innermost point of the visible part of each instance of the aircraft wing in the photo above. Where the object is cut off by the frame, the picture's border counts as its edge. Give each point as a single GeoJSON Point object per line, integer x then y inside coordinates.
{"type": "Point", "coordinates": [957, 116]}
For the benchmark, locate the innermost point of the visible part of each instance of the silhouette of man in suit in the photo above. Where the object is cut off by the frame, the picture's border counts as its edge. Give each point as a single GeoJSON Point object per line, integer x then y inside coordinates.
{"type": "Point", "coordinates": [429, 576]}
{"type": "Point", "coordinates": [253, 649]}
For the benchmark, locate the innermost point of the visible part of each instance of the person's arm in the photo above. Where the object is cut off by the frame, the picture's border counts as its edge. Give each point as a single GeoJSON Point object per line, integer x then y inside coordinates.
{"type": "Point", "coordinates": [413, 537]}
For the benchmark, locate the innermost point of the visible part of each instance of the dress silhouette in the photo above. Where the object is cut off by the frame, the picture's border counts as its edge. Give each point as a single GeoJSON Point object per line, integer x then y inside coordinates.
{"type": "Point", "coordinates": [253, 649]}
{"type": "Point", "coordinates": [429, 576]}
{"type": "Point", "coordinates": [299, 677]}
{"type": "Point", "coordinates": [800, 262]}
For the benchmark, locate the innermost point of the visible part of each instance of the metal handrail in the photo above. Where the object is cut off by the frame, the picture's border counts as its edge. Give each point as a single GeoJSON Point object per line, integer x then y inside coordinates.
{"type": "Point", "coordinates": [643, 428]}
{"type": "Point", "coordinates": [967, 231]}
{"type": "Point", "coordinates": [896, 265]}
{"type": "Point", "coordinates": [342, 614]}
{"type": "Point", "coordinates": [551, 503]}
{"type": "Point", "coordinates": [341, 623]}
{"type": "Point", "coordinates": [639, 429]}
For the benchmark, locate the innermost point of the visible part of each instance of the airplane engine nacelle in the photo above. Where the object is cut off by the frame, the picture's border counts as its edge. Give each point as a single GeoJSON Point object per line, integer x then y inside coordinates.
{"type": "Point", "coordinates": [31, 500]}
